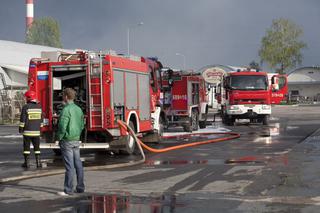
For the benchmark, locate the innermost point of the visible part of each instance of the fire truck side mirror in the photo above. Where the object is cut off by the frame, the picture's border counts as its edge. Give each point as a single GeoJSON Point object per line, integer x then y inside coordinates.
{"type": "Point", "coordinates": [226, 83]}
{"type": "Point", "coordinates": [170, 77]}
{"type": "Point", "coordinates": [209, 87]}
{"type": "Point", "coordinates": [170, 82]}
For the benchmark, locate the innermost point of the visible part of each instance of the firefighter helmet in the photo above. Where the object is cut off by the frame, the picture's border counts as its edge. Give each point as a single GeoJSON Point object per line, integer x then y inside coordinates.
{"type": "Point", "coordinates": [30, 95]}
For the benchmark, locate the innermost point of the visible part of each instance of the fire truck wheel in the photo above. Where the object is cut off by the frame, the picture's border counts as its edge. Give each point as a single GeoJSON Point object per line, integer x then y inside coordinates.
{"type": "Point", "coordinates": [224, 119]}
{"type": "Point", "coordinates": [193, 122]}
{"type": "Point", "coordinates": [229, 120]}
{"type": "Point", "coordinates": [131, 144]}
{"type": "Point", "coordinates": [265, 120]}
{"type": "Point", "coordinates": [161, 126]}
{"type": "Point", "coordinates": [203, 123]}
{"type": "Point", "coordinates": [187, 128]}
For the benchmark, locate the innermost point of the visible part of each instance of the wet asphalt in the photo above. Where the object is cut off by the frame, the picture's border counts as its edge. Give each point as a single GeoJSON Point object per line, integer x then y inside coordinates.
{"type": "Point", "coordinates": [269, 169]}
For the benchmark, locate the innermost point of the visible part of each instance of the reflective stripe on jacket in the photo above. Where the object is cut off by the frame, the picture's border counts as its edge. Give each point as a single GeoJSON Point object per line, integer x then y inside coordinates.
{"type": "Point", "coordinates": [30, 119]}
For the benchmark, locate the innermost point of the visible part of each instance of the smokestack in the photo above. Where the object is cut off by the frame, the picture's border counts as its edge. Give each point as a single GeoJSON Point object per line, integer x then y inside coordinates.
{"type": "Point", "coordinates": [29, 17]}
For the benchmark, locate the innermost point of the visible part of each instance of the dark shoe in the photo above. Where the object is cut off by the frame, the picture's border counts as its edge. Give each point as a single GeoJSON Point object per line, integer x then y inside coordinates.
{"type": "Point", "coordinates": [78, 191]}
{"type": "Point", "coordinates": [38, 161]}
{"type": "Point", "coordinates": [26, 163]}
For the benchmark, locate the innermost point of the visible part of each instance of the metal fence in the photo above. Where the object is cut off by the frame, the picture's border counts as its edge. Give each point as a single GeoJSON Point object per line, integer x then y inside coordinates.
{"type": "Point", "coordinates": [11, 102]}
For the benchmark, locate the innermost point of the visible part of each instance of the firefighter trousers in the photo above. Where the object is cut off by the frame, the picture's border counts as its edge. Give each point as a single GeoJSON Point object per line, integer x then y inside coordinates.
{"type": "Point", "coordinates": [35, 140]}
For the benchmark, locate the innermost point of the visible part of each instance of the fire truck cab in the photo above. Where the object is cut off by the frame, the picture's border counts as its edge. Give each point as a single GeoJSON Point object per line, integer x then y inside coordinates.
{"type": "Point", "coordinates": [245, 95]}
{"type": "Point", "coordinates": [109, 87]}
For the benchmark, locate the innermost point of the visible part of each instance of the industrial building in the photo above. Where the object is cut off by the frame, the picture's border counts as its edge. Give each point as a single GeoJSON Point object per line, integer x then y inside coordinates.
{"type": "Point", "coordinates": [304, 84]}
{"type": "Point", "coordinates": [14, 65]}
{"type": "Point", "coordinates": [14, 62]}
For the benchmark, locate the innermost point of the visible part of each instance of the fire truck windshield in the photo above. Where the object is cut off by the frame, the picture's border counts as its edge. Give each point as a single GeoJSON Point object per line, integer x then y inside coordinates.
{"type": "Point", "coordinates": [249, 82]}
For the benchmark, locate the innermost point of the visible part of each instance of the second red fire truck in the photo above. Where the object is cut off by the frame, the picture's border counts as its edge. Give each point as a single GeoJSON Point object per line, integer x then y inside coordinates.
{"type": "Point", "coordinates": [184, 100]}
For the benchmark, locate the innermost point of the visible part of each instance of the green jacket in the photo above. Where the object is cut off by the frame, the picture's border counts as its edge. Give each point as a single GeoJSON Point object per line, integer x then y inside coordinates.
{"type": "Point", "coordinates": [71, 123]}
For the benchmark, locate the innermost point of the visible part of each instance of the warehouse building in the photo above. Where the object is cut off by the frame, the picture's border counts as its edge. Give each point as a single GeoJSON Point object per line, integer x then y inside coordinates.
{"type": "Point", "coordinates": [304, 84]}
{"type": "Point", "coordinates": [14, 65]}
{"type": "Point", "coordinates": [14, 62]}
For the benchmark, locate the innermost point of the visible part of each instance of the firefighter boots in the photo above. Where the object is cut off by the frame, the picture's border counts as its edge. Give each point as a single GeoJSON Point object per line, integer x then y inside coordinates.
{"type": "Point", "coordinates": [26, 163]}
{"type": "Point", "coordinates": [38, 161]}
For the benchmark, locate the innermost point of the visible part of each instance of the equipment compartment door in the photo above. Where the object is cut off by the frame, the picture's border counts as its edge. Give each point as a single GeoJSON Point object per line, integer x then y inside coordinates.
{"type": "Point", "coordinates": [144, 97]}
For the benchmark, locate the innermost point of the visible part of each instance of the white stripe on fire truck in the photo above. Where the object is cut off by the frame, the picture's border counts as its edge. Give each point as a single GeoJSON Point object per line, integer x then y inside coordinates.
{"type": "Point", "coordinates": [42, 73]}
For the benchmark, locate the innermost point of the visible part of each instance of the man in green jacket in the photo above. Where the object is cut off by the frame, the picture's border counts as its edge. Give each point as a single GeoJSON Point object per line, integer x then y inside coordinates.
{"type": "Point", "coordinates": [70, 126]}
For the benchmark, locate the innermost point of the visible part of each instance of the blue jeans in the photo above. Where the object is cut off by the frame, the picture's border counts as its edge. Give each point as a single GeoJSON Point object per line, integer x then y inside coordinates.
{"type": "Point", "coordinates": [71, 156]}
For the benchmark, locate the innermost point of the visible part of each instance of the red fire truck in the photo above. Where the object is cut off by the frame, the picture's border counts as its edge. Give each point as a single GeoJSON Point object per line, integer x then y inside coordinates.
{"type": "Point", "coordinates": [109, 87]}
{"type": "Point", "coordinates": [184, 99]}
{"type": "Point", "coordinates": [246, 95]}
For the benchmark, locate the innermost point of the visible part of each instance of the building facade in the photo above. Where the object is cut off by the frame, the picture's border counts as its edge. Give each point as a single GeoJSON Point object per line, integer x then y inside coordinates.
{"type": "Point", "coordinates": [304, 84]}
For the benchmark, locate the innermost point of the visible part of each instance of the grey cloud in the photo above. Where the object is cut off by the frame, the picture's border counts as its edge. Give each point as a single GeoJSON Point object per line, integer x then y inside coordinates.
{"type": "Point", "coordinates": [206, 31]}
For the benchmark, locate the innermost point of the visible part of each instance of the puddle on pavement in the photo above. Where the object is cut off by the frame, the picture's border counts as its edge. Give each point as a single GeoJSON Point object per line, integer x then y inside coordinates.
{"type": "Point", "coordinates": [127, 203]}
{"type": "Point", "coordinates": [264, 134]}
{"type": "Point", "coordinates": [190, 138]}
{"type": "Point", "coordinates": [119, 202]}
{"type": "Point", "coordinates": [94, 159]}
{"type": "Point", "coordinates": [268, 160]}
{"type": "Point", "coordinates": [235, 162]}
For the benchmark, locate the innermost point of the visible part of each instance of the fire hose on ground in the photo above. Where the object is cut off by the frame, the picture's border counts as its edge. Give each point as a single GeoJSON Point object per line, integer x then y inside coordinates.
{"type": "Point", "coordinates": [140, 145]}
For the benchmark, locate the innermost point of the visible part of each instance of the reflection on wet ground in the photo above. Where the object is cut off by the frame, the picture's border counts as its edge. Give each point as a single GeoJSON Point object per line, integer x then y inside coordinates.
{"type": "Point", "coordinates": [110, 203]}
{"type": "Point", "coordinates": [270, 160]}
{"type": "Point", "coordinates": [127, 203]}
{"type": "Point", "coordinates": [92, 159]}
{"type": "Point", "coordinates": [259, 135]}
{"type": "Point", "coordinates": [267, 135]}
{"type": "Point", "coordinates": [184, 162]}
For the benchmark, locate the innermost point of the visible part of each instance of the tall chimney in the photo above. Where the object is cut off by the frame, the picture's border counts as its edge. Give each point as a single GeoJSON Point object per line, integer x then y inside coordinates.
{"type": "Point", "coordinates": [29, 15]}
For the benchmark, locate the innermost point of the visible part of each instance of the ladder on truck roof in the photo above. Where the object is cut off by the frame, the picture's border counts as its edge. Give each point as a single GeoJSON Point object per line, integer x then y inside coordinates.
{"type": "Point", "coordinates": [95, 90]}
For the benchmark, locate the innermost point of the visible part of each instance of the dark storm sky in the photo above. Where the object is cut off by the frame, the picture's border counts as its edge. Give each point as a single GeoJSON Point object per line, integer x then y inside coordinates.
{"type": "Point", "coordinates": [206, 31]}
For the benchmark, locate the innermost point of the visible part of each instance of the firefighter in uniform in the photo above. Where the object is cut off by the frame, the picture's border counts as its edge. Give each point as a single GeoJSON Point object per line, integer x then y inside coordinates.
{"type": "Point", "coordinates": [30, 124]}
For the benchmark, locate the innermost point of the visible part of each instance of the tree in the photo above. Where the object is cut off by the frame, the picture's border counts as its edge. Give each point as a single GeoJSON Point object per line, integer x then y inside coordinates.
{"type": "Point", "coordinates": [254, 65]}
{"type": "Point", "coordinates": [44, 31]}
{"type": "Point", "coordinates": [281, 47]}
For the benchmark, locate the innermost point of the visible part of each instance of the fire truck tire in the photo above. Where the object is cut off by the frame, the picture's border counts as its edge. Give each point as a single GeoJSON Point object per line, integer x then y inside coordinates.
{"type": "Point", "coordinates": [161, 126]}
{"type": "Point", "coordinates": [229, 120]}
{"type": "Point", "coordinates": [193, 123]}
{"type": "Point", "coordinates": [225, 119]}
{"type": "Point", "coordinates": [203, 123]}
{"type": "Point", "coordinates": [187, 128]}
{"type": "Point", "coordinates": [131, 145]}
{"type": "Point", "coordinates": [265, 120]}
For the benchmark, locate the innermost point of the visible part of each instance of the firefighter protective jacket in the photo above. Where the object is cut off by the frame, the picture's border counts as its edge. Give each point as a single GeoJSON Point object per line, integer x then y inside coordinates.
{"type": "Point", "coordinates": [31, 119]}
